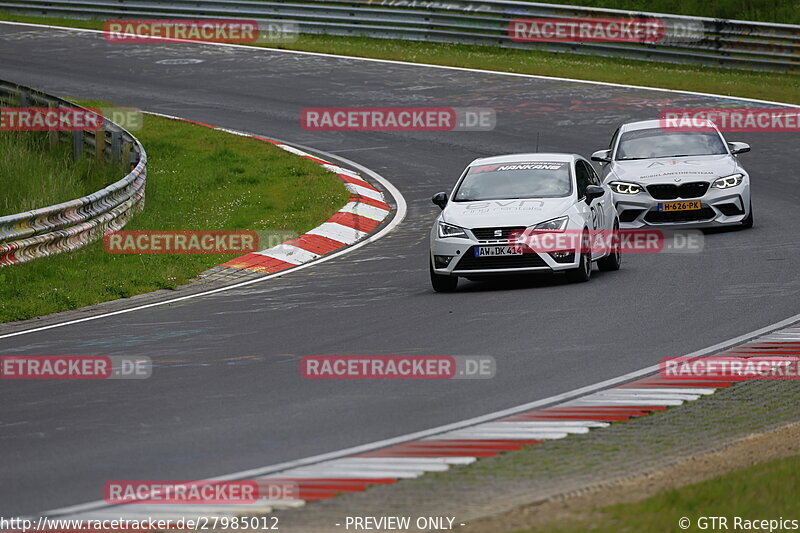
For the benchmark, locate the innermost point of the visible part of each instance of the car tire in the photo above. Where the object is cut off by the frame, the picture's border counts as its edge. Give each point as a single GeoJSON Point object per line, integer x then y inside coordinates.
{"type": "Point", "coordinates": [584, 271]}
{"type": "Point", "coordinates": [612, 261]}
{"type": "Point", "coordinates": [442, 283]}
{"type": "Point", "coordinates": [747, 223]}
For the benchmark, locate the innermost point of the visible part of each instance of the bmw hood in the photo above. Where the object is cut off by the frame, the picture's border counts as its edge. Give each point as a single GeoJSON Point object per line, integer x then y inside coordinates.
{"type": "Point", "coordinates": [666, 170]}
{"type": "Point", "coordinates": [505, 213]}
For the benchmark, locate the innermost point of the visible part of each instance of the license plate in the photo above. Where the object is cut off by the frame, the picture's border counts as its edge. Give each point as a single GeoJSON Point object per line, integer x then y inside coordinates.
{"type": "Point", "coordinates": [689, 205]}
{"type": "Point", "coordinates": [494, 251]}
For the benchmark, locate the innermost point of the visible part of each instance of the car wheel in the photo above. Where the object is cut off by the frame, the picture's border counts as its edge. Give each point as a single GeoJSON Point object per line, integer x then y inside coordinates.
{"type": "Point", "coordinates": [584, 270]}
{"type": "Point", "coordinates": [613, 260]}
{"type": "Point", "coordinates": [748, 222]}
{"type": "Point", "coordinates": [442, 283]}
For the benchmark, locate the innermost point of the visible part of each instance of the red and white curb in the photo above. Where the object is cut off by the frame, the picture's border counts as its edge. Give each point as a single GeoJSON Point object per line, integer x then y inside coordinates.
{"type": "Point", "coordinates": [387, 462]}
{"type": "Point", "coordinates": [363, 212]}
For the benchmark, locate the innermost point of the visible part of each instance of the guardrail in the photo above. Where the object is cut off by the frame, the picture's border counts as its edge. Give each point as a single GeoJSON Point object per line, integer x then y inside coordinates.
{"type": "Point", "coordinates": [71, 225]}
{"type": "Point", "coordinates": [695, 40]}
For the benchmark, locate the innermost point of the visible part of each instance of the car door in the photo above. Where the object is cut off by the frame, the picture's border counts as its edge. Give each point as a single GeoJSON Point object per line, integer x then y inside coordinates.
{"type": "Point", "coordinates": [606, 202]}
{"type": "Point", "coordinates": [598, 216]}
{"type": "Point", "coordinates": [582, 180]}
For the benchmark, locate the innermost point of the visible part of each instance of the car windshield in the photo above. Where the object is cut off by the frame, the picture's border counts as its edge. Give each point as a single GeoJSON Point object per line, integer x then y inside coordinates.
{"type": "Point", "coordinates": [658, 142]}
{"type": "Point", "coordinates": [537, 179]}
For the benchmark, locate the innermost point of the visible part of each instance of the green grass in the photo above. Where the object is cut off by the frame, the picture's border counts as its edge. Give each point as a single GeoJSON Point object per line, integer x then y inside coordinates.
{"type": "Point", "coordinates": [764, 491]}
{"type": "Point", "coordinates": [29, 181]}
{"type": "Point", "coordinates": [198, 179]}
{"type": "Point", "coordinates": [730, 82]}
{"type": "Point", "coordinates": [783, 11]}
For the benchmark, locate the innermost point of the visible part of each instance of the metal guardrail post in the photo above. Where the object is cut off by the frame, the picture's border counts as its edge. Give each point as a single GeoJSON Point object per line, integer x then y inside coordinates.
{"type": "Point", "coordinates": [77, 144]}
{"type": "Point", "coordinates": [116, 146]}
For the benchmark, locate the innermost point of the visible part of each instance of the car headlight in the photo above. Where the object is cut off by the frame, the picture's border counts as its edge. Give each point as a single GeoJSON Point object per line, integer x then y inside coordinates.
{"type": "Point", "coordinates": [728, 181]}
{"type": "Point", "coordinates": [557, 224]}
{"type": "Point", "coordinates": [448, 230]}
{"type": "Point", "coordinates": [623, 187]}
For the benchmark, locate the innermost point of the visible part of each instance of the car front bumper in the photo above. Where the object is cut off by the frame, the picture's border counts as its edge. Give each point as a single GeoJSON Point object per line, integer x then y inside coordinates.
{"type": "Point", "coordinates": [720, 207]}
{"type": "Point", "coordinates": [463, 261]}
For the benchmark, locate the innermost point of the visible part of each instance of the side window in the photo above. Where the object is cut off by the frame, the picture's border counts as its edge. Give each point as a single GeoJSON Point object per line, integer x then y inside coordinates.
{"type": "Point", "coordinates": [593, 178]}
{"type": "Point", "coordinates": [582, 177]}
{"type": "Point", "coordinates": [613, 139]}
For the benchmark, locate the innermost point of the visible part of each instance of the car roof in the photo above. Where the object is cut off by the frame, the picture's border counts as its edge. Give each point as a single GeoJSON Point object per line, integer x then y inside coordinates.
{"type": "Point", "coordinates": [657, 123]}
{"type": "Point", "coordinates": [520, 158]}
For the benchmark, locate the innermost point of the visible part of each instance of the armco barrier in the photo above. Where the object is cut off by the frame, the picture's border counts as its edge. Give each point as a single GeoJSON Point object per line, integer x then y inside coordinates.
{"type": "Point", "coordinates": [71, 225]}
{"type": "Point", "coordinates": [695, 40]}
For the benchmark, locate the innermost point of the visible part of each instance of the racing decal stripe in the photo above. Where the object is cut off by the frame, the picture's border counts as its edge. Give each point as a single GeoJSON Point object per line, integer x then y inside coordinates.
{"type": "Point", "coordinates": [594, 416]}
{"type": "Point", "coordinates": [258, 263]}
{"type": "Point", "coordinates": [338, 232]}
{"type": "Point", "coordinates": [370, 201]}
{"type": "Point", "coordinates": [364, 210]}
{"type": "Point", "coordinates": [289, 254]}
{"type": "Point", "coordinates": [354, 221]}
{"type": "Point", "coordinates": [315, 243]}
{"type": "Point", "coordinates": [363, 191]}
{"type": "Point", "coordinates": [356, 181]}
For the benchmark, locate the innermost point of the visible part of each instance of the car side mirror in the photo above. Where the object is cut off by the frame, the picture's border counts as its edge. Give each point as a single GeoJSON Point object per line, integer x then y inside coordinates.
{"type": "Point", "coordinates": [594, 191]}
{"type": "Point", "coordinates": [440, 199]}
{"type": "Point", "coordinates": [739, 148]}
{"type": "Point", "coordinates": [603, 156]}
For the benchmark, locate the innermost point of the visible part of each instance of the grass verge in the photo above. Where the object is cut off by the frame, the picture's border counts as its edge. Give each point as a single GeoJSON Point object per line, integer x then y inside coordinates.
{"type": "Point", "coordinates": [761, 492]}
{"type": "Point", "coordinates": [198, 179]}
{"type": "Point", "coordinates": [29, 181]}
{"type": "Point", "coordinates": [729, 82]}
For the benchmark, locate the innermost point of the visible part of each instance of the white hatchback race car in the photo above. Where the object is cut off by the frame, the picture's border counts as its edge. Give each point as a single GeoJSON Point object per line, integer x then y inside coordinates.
{"type": "Point", "coordinates": [664, 177]}
{"type": "Point", "coordinates": [500, 205]}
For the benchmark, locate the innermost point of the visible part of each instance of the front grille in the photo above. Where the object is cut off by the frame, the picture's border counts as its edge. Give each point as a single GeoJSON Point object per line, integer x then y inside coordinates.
{"type": "Point", "coordinates": [526, 260]}
{"type": "Point", "coordinates": [487, 234]}
{"type": "Point", "coordinates": [696, 189]}
{"type": "Point", "coordinates": [680, 216]}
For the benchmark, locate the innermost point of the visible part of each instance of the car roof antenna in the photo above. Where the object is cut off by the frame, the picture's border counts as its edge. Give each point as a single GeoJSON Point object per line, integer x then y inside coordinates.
{"type": "Point", "coordinates": [537, 140]}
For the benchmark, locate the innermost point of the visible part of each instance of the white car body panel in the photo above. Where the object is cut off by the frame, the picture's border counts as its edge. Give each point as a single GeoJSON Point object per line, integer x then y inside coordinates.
{"type": "Point", "coordinates": [516, 213]}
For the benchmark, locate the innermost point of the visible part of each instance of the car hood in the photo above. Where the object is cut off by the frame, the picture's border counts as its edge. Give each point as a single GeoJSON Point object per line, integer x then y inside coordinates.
{"type": "Point", "coordinates": [703, 168]}
{"type": "Point", "coordinates": [505, 213]}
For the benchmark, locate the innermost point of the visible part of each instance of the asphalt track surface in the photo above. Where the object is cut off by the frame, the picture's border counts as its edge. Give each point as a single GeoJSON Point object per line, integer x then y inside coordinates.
{"type": "Point", "coordinates": [227, 395]}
